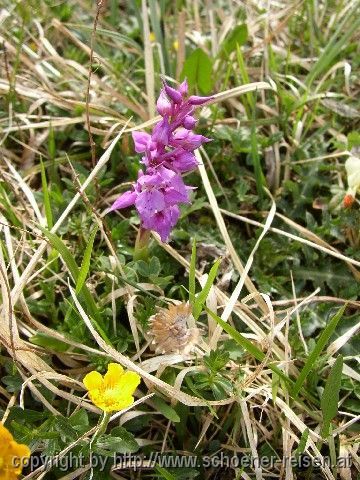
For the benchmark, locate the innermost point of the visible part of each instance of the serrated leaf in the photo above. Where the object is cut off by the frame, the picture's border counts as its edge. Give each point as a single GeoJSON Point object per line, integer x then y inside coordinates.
{"type": "Point", "coordinates": [79, 419]}
{"type": "Point", "coordinates": [165, 409]}
{"type": "Point", "coordinates": [120, 441]}
{"type": "Point", "coordinates": [198, 70]}
{"type": "Point", "coordinates": [330, 396]}
{"type": "Point", "coordinates": [63, 426]}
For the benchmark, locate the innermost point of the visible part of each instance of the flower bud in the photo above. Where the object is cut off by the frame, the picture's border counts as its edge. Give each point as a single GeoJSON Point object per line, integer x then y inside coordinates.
{"type": "Point", "coordinates": [173, 94]}
{"type": "Point", "coordinates": [195, 100]}
{"type": "Point", "coordinates": [189, 122]}
{"type": "Point", "coordinates": [183, 88]}
{"type": "Point", "coordinates": [163, 104]}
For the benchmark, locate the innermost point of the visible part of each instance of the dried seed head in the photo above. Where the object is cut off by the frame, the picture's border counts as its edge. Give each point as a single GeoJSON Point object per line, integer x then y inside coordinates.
{"type": "Point", "coordinates": [170, 330]}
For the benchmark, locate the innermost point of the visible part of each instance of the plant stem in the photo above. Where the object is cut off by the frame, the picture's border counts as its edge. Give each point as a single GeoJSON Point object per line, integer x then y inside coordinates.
{"type": "Point", "coordinates": [103, 423]}
{"type": "Point", "coordinates": [141, 244]}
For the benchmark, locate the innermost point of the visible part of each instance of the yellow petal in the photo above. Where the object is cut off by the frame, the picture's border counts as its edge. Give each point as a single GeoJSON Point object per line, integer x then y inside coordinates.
{"type": "Point", "coordinates": [97, 398]}
{"type": "Point", "coordinates": [93, 381]}
{"type": "Point", "coordinates": [20, 453]}
{"type": "Point", "coordinates": [123, 403]}
{"type": "Point", "coordinates": [5, 439]}
{"type": "Point", "coordinates": [128, 383]}
{"type": "Point", "coordinates": [113, 375]}
{"type": "Point", "coordinates": [5, 435]}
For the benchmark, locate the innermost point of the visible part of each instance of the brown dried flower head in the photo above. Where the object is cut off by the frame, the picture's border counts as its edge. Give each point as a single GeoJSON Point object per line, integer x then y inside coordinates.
{"type": "Point", "coordinates": [171, 332]}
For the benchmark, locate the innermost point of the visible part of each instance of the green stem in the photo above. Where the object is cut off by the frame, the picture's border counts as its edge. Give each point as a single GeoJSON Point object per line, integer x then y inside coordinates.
{"type": "Point", "coordinates": [103, 423]}
{"type": "Point", "coordinates": [141, 244]}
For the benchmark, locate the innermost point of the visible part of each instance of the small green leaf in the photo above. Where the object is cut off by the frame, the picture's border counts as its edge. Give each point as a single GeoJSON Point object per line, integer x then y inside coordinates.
{"type": "Point", "coordinates": [302, 444]}
{"type": "Point", "coordinates": [165, 409]}
{"type": "Point", "coordinates": [238, 36]}
{"type": "Point", "coordinates": [127, 439]}
{"type": "Point", "coordinates": [154, 266]}
{"type": "Point", "coordinates": [85, 264]}
{"type": "Point", "coordinates": [120, 441]}
{"type": "Point", "coordinates": [324, 337]}
{"type": "Point", "coordinates": [330, 396]}
{"type": "Point", "coordinates": [198, 70]}
{"type": "Point", "coordinates": [164, 473]}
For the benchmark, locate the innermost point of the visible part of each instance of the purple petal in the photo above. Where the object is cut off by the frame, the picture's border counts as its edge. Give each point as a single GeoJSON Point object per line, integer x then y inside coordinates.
{"type": "Point", "coordinates": [175, 96]}
{"type": "Point", "coordinates": [173, 197]}
{"type": "Point", "coordinates": [195, 100]}
{"type": "Point", "coordinates": [188, 140]}
{"type": "Point", "coordinates": [183, 88]}
{"type": "Point", "coordinates": [163, 222]}
{"type": "Point", "coordinates": [125, 200]}
{"type": "Point", "coordinates": [189, 122]}
{"type": "Point", "coordinates": [149, 202]}
{"type": "Point", "coordinates": [142, 141]}
{"type": "Point", "coordinates": [184, 162]}
{"type": "Point", "coordinates": [163, 105]}
{"type": "Point", "coordinates": [150, 180]}
{"type": "Point", "coordinates": [176, 192]}
{"type": "Point", "coordinates": [166, 175]}
{"type": "Point", "coordinates": [161, 132]}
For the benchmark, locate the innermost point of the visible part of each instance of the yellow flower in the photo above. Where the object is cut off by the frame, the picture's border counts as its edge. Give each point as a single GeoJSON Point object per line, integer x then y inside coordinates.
{"type": "Point", "coordinates": [115, 390]}
{"type": "Point", "coordinates": [152, 37]}
{"type": "Point", "coordinates": [13, 455]}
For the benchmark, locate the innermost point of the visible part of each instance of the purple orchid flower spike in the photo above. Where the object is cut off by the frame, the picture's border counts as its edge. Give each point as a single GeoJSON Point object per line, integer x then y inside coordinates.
{"type": "Point", "coordinates": [168, 153]}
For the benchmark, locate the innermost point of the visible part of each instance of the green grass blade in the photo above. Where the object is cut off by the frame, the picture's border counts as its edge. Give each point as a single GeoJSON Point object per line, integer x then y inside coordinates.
{"type": "Point", "coordinates": [246, 79]}
{"type": "Point", "coordinates": [192, 278]}
{"type": "Point", "coordinates": [71, 264]}
{"type": "Point", "coordinates": [155, 23]}
{"type": "Point", "coordinates": [85, 264]}
{"type": "Point", "coordinates": [202, 296]}
{"type": "Point", "coordinates": [165, 409]}
{"type": "Point", "coordinates": [47, 204]}
{"type": "Point", "coordinates": [330, 396]}
{"type": "Point", "coordinates": [247, 345]}
{"type": "Point", "coordinates": [324, 338]}
{"type": "Point", "coordinates": [349, 25]}
{"type": "Point", "coordinates": [65, 253]}
{"type": "Point", "coordinates": [259, 177]}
